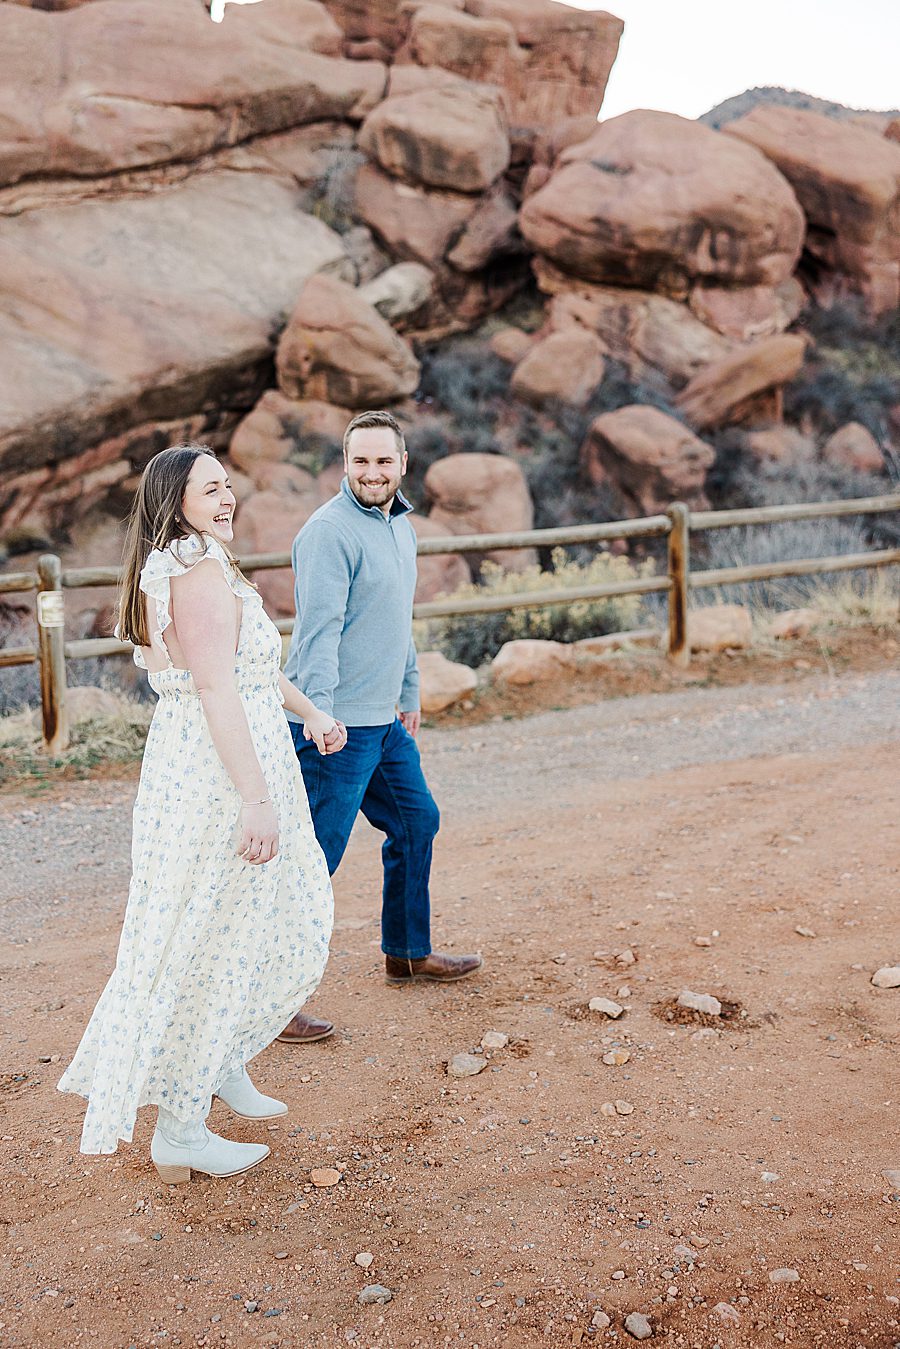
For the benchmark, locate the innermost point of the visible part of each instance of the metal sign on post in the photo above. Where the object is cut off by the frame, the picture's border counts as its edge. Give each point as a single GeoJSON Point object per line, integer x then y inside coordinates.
{"type": "Point", "coordinates": [50, 609]}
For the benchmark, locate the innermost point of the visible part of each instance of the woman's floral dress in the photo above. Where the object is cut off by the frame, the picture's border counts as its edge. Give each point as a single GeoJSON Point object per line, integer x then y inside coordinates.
{"type": "Point", "coordinates": [215, 955]}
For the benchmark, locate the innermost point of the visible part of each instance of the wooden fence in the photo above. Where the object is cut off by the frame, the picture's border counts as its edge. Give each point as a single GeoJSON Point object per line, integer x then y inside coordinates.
{"type": "Point", "coordinates": [51, 581]}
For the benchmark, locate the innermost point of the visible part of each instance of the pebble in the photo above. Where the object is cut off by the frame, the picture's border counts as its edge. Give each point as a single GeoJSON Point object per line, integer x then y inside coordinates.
{"type": "Point", "coordinates": [892, 1177]}
{"type": "Point", "coordinates": [494, 1039]}
{"type": "Point", "coordinates": [323, 1176]}
{"type": "Point", "coordinates": [638, 1326]}
{"type": "Point", "coordinates": [626, 957]}
{"type": "Point", "coordinates": [608, 1109]}
{"type": "Point", "coordinates": [363, 1259]}
{"type": "Point", "coordinates": [726, 1312]}
{"type": "Point", "coordinates": [374, 1293]}
{"type": "Point", "coordinates": [769, 1177]}
{"type": "Point", "coordinates": [623, 992]}
{"type": "Point", "coordinates": [624, 1108]}
{"type": "Point", "coordinates": [804, 932]}
{"type": "Point", "coordinates": [606, 1005]}
{"type": "Point", "coordinates": [700, 1002]}
{"type": "Point", "coordinates": [281, 1255]}
{"type": "Point", "coordinates": [251, 1306]}
{"type": "Point", "coordinates": [887, 977]}
{"type": "Point", "coordinates": [466, 1065]}
{"type": "Point", "coordinates": [600, 1320]}
{"type": "Point", "coordinates": [703, 941]}
{"type": "Point", "coordinates": [616, 1058]}
{"type": "Point", "coordinates": [784, 1276]}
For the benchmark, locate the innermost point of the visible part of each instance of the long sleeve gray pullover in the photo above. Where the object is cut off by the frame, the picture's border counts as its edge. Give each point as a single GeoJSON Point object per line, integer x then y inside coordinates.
{"type": "Point", "coordinates": [352, 651]}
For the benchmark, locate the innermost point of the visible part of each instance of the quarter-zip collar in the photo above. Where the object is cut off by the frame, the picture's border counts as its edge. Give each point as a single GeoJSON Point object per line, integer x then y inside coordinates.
{"type": "Point", "coordinates": [400, 506]}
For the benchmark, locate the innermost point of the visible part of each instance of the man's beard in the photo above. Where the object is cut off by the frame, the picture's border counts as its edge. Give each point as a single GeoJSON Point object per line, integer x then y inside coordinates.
{"type": "Point", "coordinates": [375, 496]}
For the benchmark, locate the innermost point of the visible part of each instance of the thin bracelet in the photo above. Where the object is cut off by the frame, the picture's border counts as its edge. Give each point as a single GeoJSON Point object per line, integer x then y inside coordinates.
{"type": "Point", "coordinates": [263, 802]}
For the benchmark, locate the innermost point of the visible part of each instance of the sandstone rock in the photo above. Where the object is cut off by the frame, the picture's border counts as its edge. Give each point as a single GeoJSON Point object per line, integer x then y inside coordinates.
{"type": "Point", "coordinates": [281, 430]}
{"type": "Point", "coordinates": [658, 201]}
{"type": "Point", "coordinates": [268, 523]}
{"type": "Point", "coordinates": [892, 1176]}
{"type": "Point", "coordinates": [887, 977]}
{"type": "Point", "coordinates": [154, 81]}
{"type": "Point", "coordinates": [364, 1259]}
{"type": "Point", "coordinates": [481, 494]}
{"type": "Point", "coordinates": [648, 333]}
{"type": "Point", "coordinates": [600, 1320]}
{"type": "Point", "coordinates": [414, 223]}
{"type": "Point", "coordinates": [400, 291]}
{"type": "Point", "coordinates": [324, 1176]}
{"type": "Point", "coordinates": [638, 1326]}
{"type": "Point", "coordinates": [853, 446]}
{"type": "Point", "coordinates": [783, 1276]}
{"type": "Point", "coordinates": [490, 232]}
{"type": "Point", "coordinates": [725, 1312]}
{"type": "Point", "coordinates": [443, 681]}
{"type": "Point", "coordinates": [338, 348]}
{"type": "Point", "coordinates": [720, 627]}
{"type": "Point", "coordinates": [531, 661]}
{"type": "Point", "coordinates": [125, 344]}
{"type": "Point", "coordinates": [478, 49]}
{"type": "Point", "coordinates": [794, 623]}
{"type": "Point", "coordinates": [444, 138]}
{"type": "Point", "coordinates": [728, 390]}
{"type": "Point", "coordinates": [747, 313]}
{"type": "Point", "coordinates": [566, 367]}
{"type": "Point", "coordinates": [847, 179]}
{"type": "Point", "coordinates": [466, 1065]}
{"type": "Point", "coordinates": [700, 1002]}
{"type": "Point", "coordinates": [374, 1295]}
{"type": "Point", "coordinates": [440, 573]}
{"type": "Point", "coordinates": [606, 1005]}
{"type": "Point", "coordinates": [494, 1039]}
{"type": "Point", "coordinates": [511, 344]}
{"type": "Point", "coordinates": [649, 456]}
{"type": "Point", "coordinates": [780, 445]}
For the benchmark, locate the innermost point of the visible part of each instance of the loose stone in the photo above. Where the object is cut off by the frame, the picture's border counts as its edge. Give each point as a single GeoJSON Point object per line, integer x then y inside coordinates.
{"type": "Point", "coordinates": [364, 1259]}
{"type": "Point", "coordinates": [494, 1039]}
{"type": "Point", "coordinates": [466, 1065]}
{"type": "Point", "coordinates": [784, 1276]}
{"type": "Point", "coordinates": [726, 1312]}
{"type": "Point", "coordinates": [374, 1293]}
{"type": "Point", "coordinates": [600, 1320]}
{"type": "Point", "coordinates": [606, 1005]}
{"type": "Point", "coordinates": [887, 977]}
{"type": "Point", "coordinates": [700, 1002]}
{"type": "Point", "coordinates": [638, 1326]}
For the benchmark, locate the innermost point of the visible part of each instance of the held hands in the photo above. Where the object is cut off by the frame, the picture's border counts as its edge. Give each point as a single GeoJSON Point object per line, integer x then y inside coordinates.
{"type": "Point", "coordinates": [330, 735]}
{"type": "Point", "coordinates": [258, 833]}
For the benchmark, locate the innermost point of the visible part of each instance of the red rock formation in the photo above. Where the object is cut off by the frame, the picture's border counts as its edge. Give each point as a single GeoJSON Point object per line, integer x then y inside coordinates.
{"type": "Point", "coordinates": [734, 389]}
{"type": "Point", "coordinates": [651, 458]}
{"type": "Point", "coordinates": [453, 138]}
{"type": "Point", "coordinates": [481, 494]}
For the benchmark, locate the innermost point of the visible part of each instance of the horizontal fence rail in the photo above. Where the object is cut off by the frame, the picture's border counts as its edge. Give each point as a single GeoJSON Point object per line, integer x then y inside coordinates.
{"type": "Point", "coordinates": [50, 582]}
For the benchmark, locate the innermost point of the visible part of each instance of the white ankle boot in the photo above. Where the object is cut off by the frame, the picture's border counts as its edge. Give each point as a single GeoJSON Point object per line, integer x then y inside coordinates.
{"type": "Point", "coordinates": [209, 1153]}
{"type": "Point", "coordinates": [240, 1095]}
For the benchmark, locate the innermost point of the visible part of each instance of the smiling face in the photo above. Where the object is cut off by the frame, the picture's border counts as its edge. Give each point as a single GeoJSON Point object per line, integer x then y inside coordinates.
{"type": "Point", "coordinates": [208, 502]}
{"type": "Point", "coordinates": [374, 465]}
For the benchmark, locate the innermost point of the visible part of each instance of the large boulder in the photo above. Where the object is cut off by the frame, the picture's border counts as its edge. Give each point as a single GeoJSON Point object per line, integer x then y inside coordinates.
{"type": "Point", "coordinates": [657, 201]}
{"type": "Point", "coordinates": [437, 573]}
{"type": "Point", "coordinates": [415, 223]}
{"type": "Point", "coordinates": [485, 50]}
{"type": "Point", "coordinates": [847, 179]}
{"type": "Point", "coordinates": [649, 334]}
{"type": "Point", "coordinates": [733, 389]}
{"type": "Point", "coordinates": [720, 627]}
{"type": "Point", "coordinates": [281, 430]}
{"type": "Point", "coordinates": [651, 458]}
{"type": "Point", "coordinates": [268, 523]}
{"type": "Point", "coordinates": [446, 138]}
{"type": "Point", "coordinates": [401, 291]}
{"type": "Point", "coordinates": [114, 86]}
{"type": "Point", "coordinates": [443, 682]}
{"type": "Point", "coordinates": [747, 313]}
{"type": "Point", "coordinates": [339, 349]}
{"type": "Point", "coordinates": [531, 660]}
{"type": "Point", "coordinates": [563, 367]}
{"type": "Point", "coordinates": [853, 446]}
{"type": "Point", "coordinates": [141, 308]}
{"type": "Point", "coordinates": [481, 494]}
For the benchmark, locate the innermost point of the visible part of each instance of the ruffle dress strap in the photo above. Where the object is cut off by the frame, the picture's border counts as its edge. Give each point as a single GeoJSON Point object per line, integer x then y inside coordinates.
{"type": "Point", "coordinates": [179, 557]}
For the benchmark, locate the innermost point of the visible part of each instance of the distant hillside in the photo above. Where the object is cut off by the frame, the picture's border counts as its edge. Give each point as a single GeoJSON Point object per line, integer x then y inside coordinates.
{"type": "Point", "coordinates": [743, 103]}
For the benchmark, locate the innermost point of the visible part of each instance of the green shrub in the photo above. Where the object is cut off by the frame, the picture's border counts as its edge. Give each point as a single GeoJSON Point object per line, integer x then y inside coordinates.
{"type": "Point", "coordinates": [475, 638]}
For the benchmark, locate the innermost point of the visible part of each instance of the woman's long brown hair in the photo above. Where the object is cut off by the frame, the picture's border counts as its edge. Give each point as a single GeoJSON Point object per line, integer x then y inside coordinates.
{"type": "Point", "coordinates": [156, 521]}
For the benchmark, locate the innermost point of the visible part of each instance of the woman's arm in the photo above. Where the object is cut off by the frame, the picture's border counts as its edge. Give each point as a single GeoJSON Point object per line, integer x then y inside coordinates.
{"type": "Point", "coordinates": [204, 614]}
{"type": "Point", "coordinates": [330, 735]}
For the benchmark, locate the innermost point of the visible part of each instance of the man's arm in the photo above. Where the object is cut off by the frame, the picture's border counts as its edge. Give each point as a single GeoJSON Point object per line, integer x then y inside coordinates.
{"type": "Point", "coordinates": [409, 693]}
{"type": "Point", "coordinates": [323, 571]}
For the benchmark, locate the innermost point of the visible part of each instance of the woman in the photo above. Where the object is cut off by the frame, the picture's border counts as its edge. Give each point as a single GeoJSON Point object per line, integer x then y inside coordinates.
{"type": "Point", "coordinates": [230, 908]}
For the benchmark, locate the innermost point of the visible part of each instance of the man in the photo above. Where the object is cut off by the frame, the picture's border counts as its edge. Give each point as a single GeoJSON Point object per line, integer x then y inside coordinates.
{"type": "Point", "coordinates": [353, 655]}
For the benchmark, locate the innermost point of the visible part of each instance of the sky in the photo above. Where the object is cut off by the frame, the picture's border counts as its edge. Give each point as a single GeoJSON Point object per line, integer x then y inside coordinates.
{"type": "Point", "coordinates": [687, 57]}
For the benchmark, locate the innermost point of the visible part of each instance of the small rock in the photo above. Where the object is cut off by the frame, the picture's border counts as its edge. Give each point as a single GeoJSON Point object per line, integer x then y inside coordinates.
{"type": "Point", "coordinates": [281, 1255]}
{"type": "Point", "coordinates": [726, 1312]}
{"type": "Point", "coordinates": [769, 1177]}
{"type": "Point", "coordinates": [466, 1065]}
{"type": "Point", "coordinates": [494, 1039]}
{"type": "Point", "coordinates": [887, 977]}
{"type": "Point", "coordinates": [251, 1306]}
{"type": "Point", "coordinates": [623, 992]}
{"type": "Point", "coordinates": [702, 941]}
{"type": "Point", "coordinates": [700, 1242]}
{"type": "Point", "coordinates": [638, 1326]}
{"type": "Point", "coordinates": [893, 1178]}
{"type": "Point", "coordinates": [624, 1108]}
{"type": "Point", "coordinates": [616, 1057]}
{"type": "Point", "coordinates": [323, 1176]}
{"type": "Point", "coordinates": [363, 1259]}
{"type": "Point", "coordinates": [374, 1293]}
{"type": "Point", "coordinates": [606, 1005]}
{"type": "Point", "coordinates": [804, 932]}
{"type": "Point", "coordinates": [700, 1002]}
{"type": "Point", "coordinates": [626, 957]}
{"type": "Point", "coordinates": [608, 1109]}
{"type": "Point", "coordinates": [783, 1276]}
{"type": "Point", "coordinates": [618, 1275]}
{"type": "Point", "coordinates": [600, 1320]}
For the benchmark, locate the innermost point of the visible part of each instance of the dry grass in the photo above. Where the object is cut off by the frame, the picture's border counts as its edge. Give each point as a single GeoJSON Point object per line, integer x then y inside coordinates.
{"type": "Point", "coordinates": [103, 740]}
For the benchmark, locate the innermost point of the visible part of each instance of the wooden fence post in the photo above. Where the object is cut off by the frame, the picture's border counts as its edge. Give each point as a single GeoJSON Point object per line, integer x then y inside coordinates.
{"type": "Point", "coordinates": [679, 548]}
{"type": "Point", "coordinates": [51, 617]}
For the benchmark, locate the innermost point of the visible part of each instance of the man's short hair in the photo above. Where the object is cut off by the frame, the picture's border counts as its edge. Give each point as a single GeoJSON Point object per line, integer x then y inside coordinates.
{"type": "Point", "coordinates": [363, 420]}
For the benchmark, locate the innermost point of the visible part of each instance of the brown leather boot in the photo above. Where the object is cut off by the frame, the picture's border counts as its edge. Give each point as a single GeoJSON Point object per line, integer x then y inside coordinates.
{"type": "Point", "coordinates": [305, 1030]}
{"type": "Point", "coordinates": [441, 969]}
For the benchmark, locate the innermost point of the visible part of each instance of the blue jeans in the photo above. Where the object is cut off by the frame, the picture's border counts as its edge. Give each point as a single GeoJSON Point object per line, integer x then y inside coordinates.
{"type": "Point", "coordinates": [379, 773]}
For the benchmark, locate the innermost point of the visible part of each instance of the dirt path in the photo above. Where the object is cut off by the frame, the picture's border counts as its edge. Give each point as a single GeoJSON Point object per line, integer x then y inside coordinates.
{"type": "Point", "coordinates": [509, 1208]}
